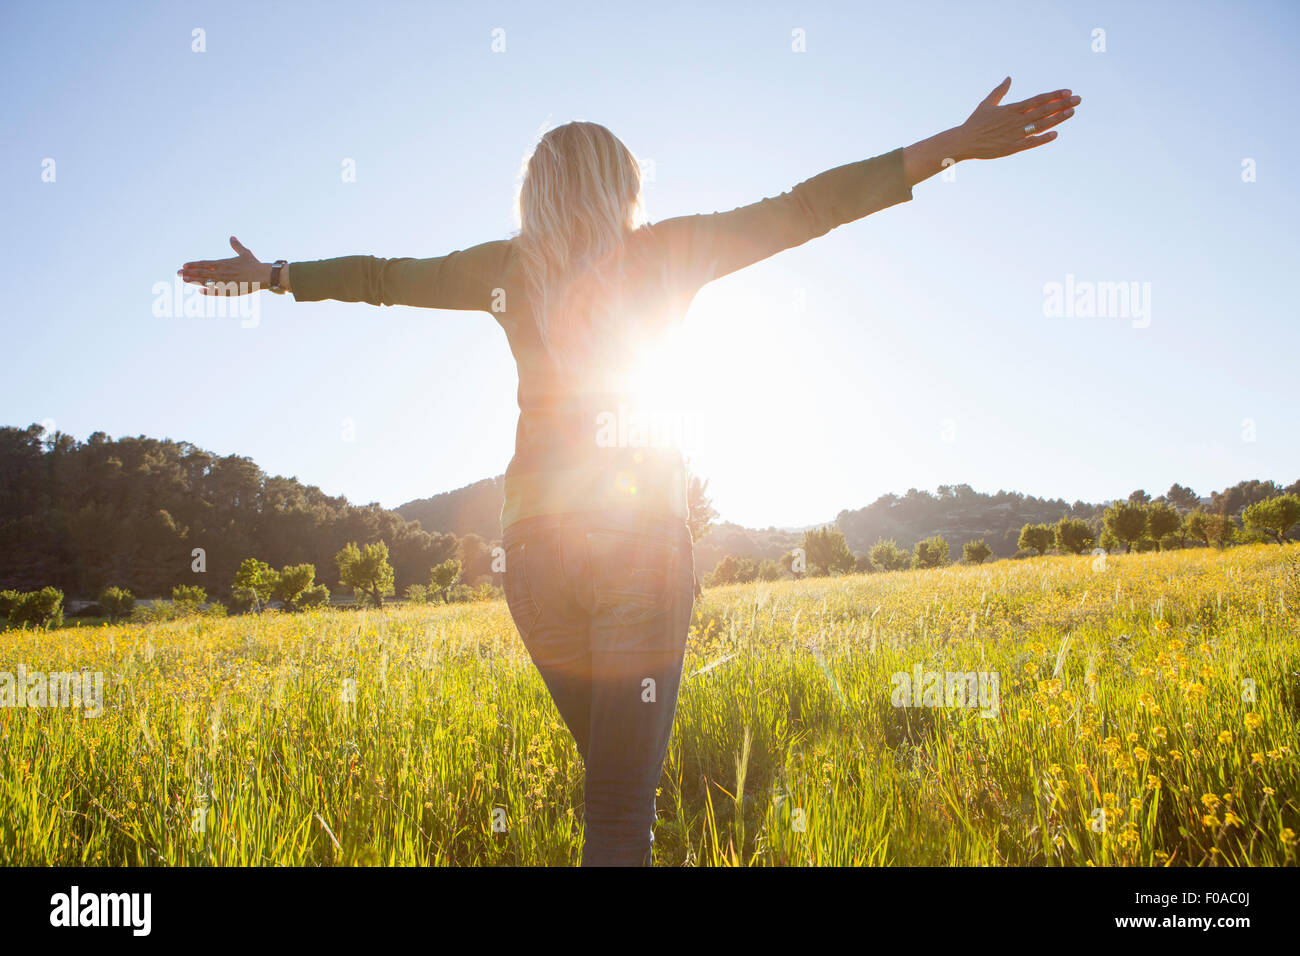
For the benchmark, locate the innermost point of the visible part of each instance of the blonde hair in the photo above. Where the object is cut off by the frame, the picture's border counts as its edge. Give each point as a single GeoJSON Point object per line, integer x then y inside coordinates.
{"type": "Point", "coordinates": [579, 201]}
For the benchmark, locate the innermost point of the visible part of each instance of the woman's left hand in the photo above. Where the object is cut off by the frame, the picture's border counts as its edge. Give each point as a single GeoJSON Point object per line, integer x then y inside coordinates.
{"type": "Point", "coordinates": [993, 131]}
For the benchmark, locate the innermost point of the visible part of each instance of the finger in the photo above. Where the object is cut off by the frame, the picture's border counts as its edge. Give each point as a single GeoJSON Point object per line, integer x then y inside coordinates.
{"type": "Point", "coordinates": [197, 266]}
{"type": "Point", "coordinates": [1051, 108]}
{"type": "Point", "coordinates": [202, 276]}
{"type": "Point", "coordinates": [1031, 141]}
{"type": "Point", "coordinates": [240, 248]}
{"type": "Point", "coordinates": [999, 91]}
{"type": "Point", "coordinates": [207, 281]}
{"type": "Point", "coordinates": [1038, 100]}
{"type": "Point", "coordinates": [1054, 120]}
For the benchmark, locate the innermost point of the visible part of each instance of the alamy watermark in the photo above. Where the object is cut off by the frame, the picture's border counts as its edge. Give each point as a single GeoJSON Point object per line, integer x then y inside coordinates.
{"type": "Point", "coordinates": [1084, 299]}
{"type": "Point", "coordinates": [952, 689]}
{"type": "Point", "coordinates": [229, 300]}
{"type": "Point", "coordinates": [24, 688]}
{"type": "Point", "coordinates": [639, 426]}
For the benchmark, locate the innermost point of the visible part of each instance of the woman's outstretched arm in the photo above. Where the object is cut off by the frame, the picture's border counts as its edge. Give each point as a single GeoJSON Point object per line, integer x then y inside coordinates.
{"type": "Point", "coordinates": [701, 248]}
{"type": "Point", "coordinates": [464, 279]}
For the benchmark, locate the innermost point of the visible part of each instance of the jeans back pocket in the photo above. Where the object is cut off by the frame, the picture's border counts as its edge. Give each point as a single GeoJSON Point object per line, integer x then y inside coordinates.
{"type": "Point", "coordinates": [632, 575]}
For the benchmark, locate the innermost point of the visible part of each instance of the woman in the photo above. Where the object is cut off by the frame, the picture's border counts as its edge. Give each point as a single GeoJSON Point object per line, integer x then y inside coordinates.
{"type": "Point", "coordinates": [599, 564]}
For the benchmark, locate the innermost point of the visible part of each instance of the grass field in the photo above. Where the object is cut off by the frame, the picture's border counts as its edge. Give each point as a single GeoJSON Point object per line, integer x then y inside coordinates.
{"type": "Point", "coordinates": [1147, 712]}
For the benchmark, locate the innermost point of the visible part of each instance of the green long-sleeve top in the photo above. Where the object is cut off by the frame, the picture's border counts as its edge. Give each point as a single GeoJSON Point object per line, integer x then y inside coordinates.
{"type": "Point", "coordinates": [564, 461]}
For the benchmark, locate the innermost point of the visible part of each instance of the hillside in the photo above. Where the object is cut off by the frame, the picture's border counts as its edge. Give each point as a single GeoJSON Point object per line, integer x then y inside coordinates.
{"type": "Point", "coordinates": [149, 514]}
{"type": "Point", "coordinates": [474, 509]}
{"type": "Point", "coordinates": [144, 514]}
{"type": "Point", "coordinates": [957, 512]}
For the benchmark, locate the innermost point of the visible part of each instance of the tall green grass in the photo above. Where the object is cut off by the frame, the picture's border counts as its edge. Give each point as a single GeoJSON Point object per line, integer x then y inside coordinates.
{"type": "Point", "coordinates": [1147, 715]}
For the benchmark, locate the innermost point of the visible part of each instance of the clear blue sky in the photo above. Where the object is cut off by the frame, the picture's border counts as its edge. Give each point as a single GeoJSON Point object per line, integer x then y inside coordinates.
{"type": "Point", "coordinates": [921, 356]}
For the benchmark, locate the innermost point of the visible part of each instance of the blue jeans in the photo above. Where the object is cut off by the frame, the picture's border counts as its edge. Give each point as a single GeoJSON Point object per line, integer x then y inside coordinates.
{"type": "Point", "coordinates": [603, 603]}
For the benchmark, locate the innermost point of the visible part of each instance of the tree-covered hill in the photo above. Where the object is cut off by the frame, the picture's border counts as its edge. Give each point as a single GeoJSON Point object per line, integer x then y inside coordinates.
{"type": "Point", "coordinates": [145, 514]}
{"type": "Point", "coordinates": [474, 509]}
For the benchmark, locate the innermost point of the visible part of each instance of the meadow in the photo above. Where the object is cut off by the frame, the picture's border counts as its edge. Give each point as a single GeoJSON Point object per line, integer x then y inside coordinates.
{"type": "Point", "coordinates": [1146, 713]}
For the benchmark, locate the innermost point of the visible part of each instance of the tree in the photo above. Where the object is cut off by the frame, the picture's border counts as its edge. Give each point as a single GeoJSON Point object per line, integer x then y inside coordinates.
{"type": "Point", "coordinates": [1127, 522]}
{"type": "Point", "coordinates": [1140, 497]}
{"type": "Point", "coordinates": [1196, 525]}
{"type": "Point", "coordinates": [1221, 530]}
{"type": "Point", "coordinates": [117, 603]}
{"type": "Point", "coordinates": [701, 514]}
{"type": "Point", "coordinates": [1035, 537]}
{"type": "Point", "coordinates": [724, 572]}
{"type": "Point", "coordinates": [1182, 499]}
{"type": "Point", "coordinates": [888, 556]}
{"type": "Point", "coordinates": [931, 553]}
{"type": "Point", "coordinates": [975, 552]}
{"type": "Point", "coordinates": [1273, 516]}
{"type": "Point", "coordinates": [1231, 501]}
{"type": "Point", "coordinates": [442, 578]}
{"type": "Point", "coordinates": [294, 587]}
{"type": "Point", "coordinates": [1161, 520]}
{"type": "Point", "coordinates": [826, 551]}
{"type": "Point", "coordinates": [1073, 535]}
{"type": "Point", "coordinates": [367, 571]}
{"type": "Point", "coordinates": [254, 582]}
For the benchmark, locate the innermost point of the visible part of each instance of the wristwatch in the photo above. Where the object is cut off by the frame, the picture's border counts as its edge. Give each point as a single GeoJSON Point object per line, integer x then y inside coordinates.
{"type": "Point", "coordinates": [275, 275]}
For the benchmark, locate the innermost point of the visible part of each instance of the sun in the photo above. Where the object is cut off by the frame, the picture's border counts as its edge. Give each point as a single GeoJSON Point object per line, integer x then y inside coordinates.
{"type": "Point", "coordinates": [719, 384]}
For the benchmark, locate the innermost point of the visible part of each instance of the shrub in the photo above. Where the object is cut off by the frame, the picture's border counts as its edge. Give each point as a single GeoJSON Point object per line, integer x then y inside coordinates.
{"type": "Point", "coordinates": [315, 596]}
{"type": "Point", "coordinates": [43, 608]}
{"type": "Point", "coordinates": [8, 601]}
{"type": "Point", "coordinates": [459, 594]}
{"type": "Point", "coordinates": [117, 603]}
{"type": "Point", "coordinates": [189, 594]}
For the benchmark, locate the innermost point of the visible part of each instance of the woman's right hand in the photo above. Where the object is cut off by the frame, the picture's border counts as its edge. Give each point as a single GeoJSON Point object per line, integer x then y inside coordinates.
{"type": "Point", "coordinates": [239, 275]}
{"type": "Point", "coordinates": [993, 131]}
